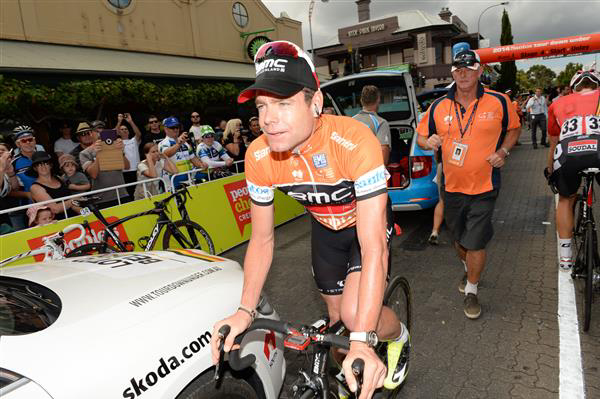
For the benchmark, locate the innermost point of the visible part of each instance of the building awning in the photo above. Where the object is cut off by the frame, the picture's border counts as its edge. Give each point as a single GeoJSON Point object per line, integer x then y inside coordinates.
{"type": "Point", "coordinates": [19, 56]}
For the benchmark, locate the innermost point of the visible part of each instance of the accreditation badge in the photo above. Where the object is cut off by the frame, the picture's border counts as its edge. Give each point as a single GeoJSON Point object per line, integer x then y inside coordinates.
{"type": "Point", "coordinates": [459, 152]}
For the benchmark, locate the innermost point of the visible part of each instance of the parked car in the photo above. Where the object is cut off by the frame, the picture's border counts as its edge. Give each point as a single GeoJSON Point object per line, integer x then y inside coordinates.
{"type": "Point", "coordinates": [425, 98]}
{"type": "Point", "coordinates": [127, 325]}
{"type": "Point", "coordinates": [412, 169]}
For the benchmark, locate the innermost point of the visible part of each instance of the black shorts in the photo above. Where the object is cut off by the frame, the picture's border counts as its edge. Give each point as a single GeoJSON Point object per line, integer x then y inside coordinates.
{"type": "Point", "coordinates": [469, 218]}
{"type": "Point", "coordinates": [335, 254]}
{"type": "Point", "coordinates": [574, 155]}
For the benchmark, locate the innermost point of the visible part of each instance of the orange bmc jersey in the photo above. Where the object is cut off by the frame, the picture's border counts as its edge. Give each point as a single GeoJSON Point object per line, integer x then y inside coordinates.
{"type": "Point", "coordinates": [484, 125]}
{"type": "Point", "coordinates": [341, 163]}
{"type": "Point", "coordinates": [575, 114]}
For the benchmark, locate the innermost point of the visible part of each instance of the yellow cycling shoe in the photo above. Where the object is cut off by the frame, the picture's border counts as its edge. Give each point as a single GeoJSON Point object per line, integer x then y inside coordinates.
{"type": "Point", "coordinates": [398, 351]}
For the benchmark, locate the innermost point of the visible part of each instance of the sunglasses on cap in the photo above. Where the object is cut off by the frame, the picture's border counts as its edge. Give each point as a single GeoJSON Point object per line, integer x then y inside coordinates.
{"type": "Point", "coordinates": [465, 59]}
{"type": "Point", "coordinates": [282, 48]}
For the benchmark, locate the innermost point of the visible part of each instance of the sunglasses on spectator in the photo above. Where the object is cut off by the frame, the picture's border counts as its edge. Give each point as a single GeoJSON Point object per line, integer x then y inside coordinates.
{"type": "Point", "coordinates": [195, 116]}
{"type": "Point", "coordinates": [85, 133]}
{"type": "Point", "coordinates": [27, 140]}
{"type": "Point", "coordinates": [208, 136]}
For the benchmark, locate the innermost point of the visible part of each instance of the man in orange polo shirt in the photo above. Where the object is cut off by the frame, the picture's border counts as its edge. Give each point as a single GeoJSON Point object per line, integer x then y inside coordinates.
{"type": "Point", "coordinates": [475, 128]}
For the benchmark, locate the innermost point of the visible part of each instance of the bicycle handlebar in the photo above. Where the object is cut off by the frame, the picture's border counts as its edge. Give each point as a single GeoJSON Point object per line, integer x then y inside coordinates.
{"type": "Point", "coordinates": [239, 363]}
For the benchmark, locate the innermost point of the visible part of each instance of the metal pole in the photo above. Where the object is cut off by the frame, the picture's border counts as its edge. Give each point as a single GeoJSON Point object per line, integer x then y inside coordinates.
{"type": "Point", "coordinates": [479, 19]}
{"type": "Point", "coordinates": [310, 11]}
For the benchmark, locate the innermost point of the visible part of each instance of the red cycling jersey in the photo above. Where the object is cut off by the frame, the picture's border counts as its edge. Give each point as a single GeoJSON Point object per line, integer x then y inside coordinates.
{"type": "Point", "coordinates": [574, 115]}
{"type": "Point", "coordinates": [340, 163]}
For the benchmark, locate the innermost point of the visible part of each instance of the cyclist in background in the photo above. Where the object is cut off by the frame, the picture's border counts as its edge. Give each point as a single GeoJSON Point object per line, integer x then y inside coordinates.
{"type": "Point", "coordinates": [334, 166]}
{"type": "Point", "coordinates": [570, 117]}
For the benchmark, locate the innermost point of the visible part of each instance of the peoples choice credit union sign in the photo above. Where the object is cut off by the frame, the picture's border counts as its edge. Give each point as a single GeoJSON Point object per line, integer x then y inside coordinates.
{"type": "Point", "coordinates": [366, 30]}
{"type": "Point", "coordinates": [239, 199]}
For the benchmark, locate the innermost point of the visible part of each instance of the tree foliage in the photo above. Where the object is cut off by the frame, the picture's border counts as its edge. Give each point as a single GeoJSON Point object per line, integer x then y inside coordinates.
{"type": "Point", "coordinates": [26, 101]}
{"type": "Point", "coordinates": [540, 76]}
{"type": "Point", "coordinates": [564, 77]}
{"type": "Point", "coordinates": [508, 70]}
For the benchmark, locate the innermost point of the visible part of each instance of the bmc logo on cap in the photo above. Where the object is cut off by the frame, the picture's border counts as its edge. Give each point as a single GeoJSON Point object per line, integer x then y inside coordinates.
{"type": "Point", "coordinates": [271, 65]}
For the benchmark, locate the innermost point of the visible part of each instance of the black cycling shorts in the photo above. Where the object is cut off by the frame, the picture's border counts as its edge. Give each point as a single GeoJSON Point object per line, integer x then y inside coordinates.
{"type": "Point", "coordinates": [574, 155]}
{"type": "Point", "coordinates": [469, 218]}
{"type": "Point", "coordinates": [335, 254]}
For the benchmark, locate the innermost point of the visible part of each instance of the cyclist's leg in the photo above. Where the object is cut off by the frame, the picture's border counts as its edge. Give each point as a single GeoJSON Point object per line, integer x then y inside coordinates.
{"type": "Point", "coordinates": [567, 183]}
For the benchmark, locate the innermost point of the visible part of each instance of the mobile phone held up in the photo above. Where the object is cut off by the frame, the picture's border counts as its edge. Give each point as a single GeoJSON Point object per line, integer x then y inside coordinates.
{"type": "Point", "coordinates": [108, 136]}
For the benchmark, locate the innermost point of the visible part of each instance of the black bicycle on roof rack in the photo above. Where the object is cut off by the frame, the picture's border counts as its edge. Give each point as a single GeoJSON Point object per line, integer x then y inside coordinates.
{"type": "Point", "coordinates": [182, 233]}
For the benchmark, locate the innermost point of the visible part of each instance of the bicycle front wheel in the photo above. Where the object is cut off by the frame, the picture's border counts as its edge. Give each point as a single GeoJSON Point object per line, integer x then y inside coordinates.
{"type": "Point", "coordinates": [188, 235]}
{"type": "Point", "coordinates": [398, 297]}
{"type": "Point", "coordinates": [91, 249]}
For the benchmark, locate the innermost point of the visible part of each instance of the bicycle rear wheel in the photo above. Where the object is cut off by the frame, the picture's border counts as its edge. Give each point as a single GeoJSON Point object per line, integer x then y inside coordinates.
{"type": "Point", "coordinates": [91, 249]}
{"type": "Point", "coordinates": [188, 235]}
{"type": "Point", "coordinates": [590, 260]}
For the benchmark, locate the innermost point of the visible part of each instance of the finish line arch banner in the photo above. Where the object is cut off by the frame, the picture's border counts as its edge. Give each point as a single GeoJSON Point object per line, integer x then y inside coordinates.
{"type": "Point", "coordinates": [221, 206]}
{"type": "Point", "coordinates": [543, 48]}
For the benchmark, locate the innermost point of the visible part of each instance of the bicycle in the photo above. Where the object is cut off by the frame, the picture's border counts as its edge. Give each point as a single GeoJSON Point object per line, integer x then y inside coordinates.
{"type": "Point", "coordinates": [182, 233]}
{"type": "Point", "coordinates": [54, 246]}
{"type": "Point", "coordinates": [587, 260]}
{"type": "Point", "coordinates": [322, 381]}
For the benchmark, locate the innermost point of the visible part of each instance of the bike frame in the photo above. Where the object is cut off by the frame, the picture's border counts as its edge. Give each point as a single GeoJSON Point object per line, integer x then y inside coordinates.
{"type": "Point", "coordinates": [162, 221]}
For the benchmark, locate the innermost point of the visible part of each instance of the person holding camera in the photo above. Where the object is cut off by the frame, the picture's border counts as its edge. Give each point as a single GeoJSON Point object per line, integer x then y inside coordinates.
{"type": "Point", "coordinates": [88, 158]}
{"type": "Point", "coordinates": [177, 148]}
{"type": "Point", "coordinates": [131, 148]}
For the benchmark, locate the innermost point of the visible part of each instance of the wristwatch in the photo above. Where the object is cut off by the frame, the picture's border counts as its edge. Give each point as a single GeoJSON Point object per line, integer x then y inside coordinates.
{"type": "Point", "coordinates": [368, 337]}
{"type": "Point", "coordinates": [506, 153]}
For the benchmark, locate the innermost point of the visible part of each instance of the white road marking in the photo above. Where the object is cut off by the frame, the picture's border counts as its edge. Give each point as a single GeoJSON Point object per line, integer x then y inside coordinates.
{"type": "Point", "coordinates": [571, 384]}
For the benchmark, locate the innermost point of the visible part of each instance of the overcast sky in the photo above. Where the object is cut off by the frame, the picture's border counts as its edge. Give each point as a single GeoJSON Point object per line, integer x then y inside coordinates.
{"type": "Point", "coordinates": [531, 20]}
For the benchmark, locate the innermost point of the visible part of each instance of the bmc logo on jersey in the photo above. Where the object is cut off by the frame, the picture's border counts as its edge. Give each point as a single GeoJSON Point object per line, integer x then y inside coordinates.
{"type": "Point", "coordinates": [582, 146]}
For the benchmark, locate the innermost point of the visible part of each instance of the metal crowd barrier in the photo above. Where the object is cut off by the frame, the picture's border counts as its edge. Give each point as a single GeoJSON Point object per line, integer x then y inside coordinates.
{"type": "Point", "coordinates": [90, 193]}
{"type": "Point", "coordinates": [191, 181]}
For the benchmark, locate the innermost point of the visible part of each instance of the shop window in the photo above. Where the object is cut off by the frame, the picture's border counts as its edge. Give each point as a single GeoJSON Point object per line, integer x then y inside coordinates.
{"type": "Point", "coordinates": [240, 15]}
{"type": "Point", "coordinates": [120, 4]}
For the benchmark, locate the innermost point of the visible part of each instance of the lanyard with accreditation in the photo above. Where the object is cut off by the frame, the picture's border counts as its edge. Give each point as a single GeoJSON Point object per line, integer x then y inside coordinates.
{"type": "Point", "coordinates": [459, 149]}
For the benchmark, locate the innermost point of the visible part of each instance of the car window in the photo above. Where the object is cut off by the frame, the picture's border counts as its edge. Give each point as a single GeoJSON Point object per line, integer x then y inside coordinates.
{"type": "Point", "coordinates": [395, 102]}
{"type": "Point", "coordinates": [26, 307]}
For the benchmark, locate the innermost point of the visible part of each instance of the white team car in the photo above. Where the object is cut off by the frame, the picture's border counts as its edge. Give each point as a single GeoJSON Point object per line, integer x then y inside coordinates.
{"type": "Point", "coordinates": [127, 325]}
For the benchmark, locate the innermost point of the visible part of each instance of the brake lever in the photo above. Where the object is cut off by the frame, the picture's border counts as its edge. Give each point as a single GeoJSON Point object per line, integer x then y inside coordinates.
{"type": "Point", "coordinates": [358, 366]}
{"type": "Point", "coordinates": [222, 334]}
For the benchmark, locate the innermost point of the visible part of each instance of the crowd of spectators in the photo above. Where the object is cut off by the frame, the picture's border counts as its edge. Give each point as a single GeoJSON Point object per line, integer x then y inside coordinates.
{"type": "Point", "coordinates": [31, 174]}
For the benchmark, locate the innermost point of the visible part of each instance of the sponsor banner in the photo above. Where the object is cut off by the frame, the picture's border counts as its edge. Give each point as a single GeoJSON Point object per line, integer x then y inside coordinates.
{"type": "Point", "coordinates": [544, 48]}
{"type": "Point", "coordinates": [221, 207]}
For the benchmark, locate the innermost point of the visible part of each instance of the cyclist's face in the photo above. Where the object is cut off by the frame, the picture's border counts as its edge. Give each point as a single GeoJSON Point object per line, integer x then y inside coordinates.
{"type": "Point", "coordinates": [287, 121]}
{"type": "Point", "coordinates": [44, 217]}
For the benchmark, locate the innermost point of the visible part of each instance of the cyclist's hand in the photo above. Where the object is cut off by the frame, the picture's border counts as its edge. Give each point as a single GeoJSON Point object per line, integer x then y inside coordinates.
{"type": "Point", "coordinates": [238, 322]}
{"type": "Point", "coordinates": [434, 142]}
{"type": "Point", "coordinates": [496, 160]}
{"type": "Point", "coordinates": [374, 373]}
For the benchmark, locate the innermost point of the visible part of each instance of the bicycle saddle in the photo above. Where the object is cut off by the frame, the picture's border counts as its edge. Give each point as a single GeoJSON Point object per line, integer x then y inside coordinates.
{"type": "Point", "coordinates": [85, 201]}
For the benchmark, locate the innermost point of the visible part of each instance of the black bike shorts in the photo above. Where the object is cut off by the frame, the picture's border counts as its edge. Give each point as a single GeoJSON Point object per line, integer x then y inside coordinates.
{"type": "Point", "coordinates": [469, 218]}
{"type": "Point", "coordinates": [335, 254]}
{"type": "Point", "coordinates": [575, 154]}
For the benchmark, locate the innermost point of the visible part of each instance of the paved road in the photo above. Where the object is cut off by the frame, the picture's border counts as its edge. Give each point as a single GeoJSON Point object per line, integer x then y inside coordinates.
{"type": "Point", "coordinates": [512, 350]}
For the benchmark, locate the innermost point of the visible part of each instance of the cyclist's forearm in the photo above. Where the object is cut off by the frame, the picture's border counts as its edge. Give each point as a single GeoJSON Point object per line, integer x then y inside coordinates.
{"type": "Point", "coordinates": [553, 141]}
{"type": "Point", "coordinates": [371, 288]}
{"type": "Point", "coordinates": [256, 268]}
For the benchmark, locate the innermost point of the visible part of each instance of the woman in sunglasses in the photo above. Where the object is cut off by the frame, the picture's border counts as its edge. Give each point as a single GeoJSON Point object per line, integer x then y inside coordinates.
{"type": "Point", "coordinates": [48, 186]}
